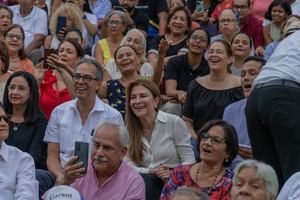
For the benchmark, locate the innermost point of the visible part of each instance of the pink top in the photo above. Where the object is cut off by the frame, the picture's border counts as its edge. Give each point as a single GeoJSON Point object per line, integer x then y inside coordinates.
{"type": "Point", "coordinates": [225, 4]}
{"type": "Point", "coordinates": [125, 184]}
{"type": "Point", "coordinates": [259, 8]}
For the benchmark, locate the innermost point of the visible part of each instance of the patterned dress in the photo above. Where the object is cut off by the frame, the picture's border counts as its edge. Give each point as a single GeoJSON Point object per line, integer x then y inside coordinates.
{"type": "Point", "coordinates": [180, 176]}
{"type": "Point", "coordinates": [116, 95]}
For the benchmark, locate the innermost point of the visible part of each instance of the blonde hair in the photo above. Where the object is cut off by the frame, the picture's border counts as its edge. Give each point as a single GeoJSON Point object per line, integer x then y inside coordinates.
{"type": "Point", "coordinates": [67, 8]}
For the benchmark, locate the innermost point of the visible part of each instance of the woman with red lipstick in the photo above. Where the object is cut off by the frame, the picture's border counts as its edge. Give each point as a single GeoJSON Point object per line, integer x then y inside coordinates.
{"type": "Point", "coordinates": [53, 89]}
{"type": "Point", "coordinates": [6, 16]}
{"type": "Point", "coordinates": [14, 38]}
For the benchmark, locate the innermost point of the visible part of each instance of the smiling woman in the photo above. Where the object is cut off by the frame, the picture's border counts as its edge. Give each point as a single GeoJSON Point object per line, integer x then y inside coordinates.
{"type": "Point", "coordinates": [6, 16]}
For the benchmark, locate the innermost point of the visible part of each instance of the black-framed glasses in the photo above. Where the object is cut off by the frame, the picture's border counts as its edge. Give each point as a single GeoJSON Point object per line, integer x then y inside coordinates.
{"type": "Point", "coordinates": [214, 139]}
{"type": "Point", "coordinates": [6, 118]}
{"type": "Point", "coordinates": [85, 78]}
{"type": "Point", "coordinates": [223, 21]}
{"type": "Point", "coordinates": [199, 38]}
{"type": "Point", "coordinates": [13, 36]}
{"type": "Point", "coordinates": [241, 7]}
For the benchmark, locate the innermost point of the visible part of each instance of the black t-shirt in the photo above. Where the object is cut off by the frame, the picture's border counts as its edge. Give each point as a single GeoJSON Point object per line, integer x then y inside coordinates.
{"type": "Point", "coordinates": [153, 7]}
{"type": "Point", "coordinates": [179, 69]}
{"type": "Point", "coordinates": [140, 19]}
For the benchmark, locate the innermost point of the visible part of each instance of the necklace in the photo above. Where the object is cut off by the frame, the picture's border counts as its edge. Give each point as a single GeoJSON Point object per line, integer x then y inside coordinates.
{"type": "Point", "coordinates": [214, 182]}
{"type": "Point", "coordinates": [16, 126]}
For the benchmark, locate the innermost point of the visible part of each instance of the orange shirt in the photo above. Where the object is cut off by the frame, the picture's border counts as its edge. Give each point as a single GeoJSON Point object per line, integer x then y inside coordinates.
{"type": "Point", "coordinates": [225, 4]}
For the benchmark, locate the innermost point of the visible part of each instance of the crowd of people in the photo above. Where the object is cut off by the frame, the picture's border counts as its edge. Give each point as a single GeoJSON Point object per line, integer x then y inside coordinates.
{"type": "Point", "coordinates": [149, 99]}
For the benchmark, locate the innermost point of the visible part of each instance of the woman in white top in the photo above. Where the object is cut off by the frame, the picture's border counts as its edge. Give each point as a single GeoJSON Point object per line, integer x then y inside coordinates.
{"type": "Point", "coordinates": [136, 40]}
{"type": "Point", "coordinates": [158, 141]}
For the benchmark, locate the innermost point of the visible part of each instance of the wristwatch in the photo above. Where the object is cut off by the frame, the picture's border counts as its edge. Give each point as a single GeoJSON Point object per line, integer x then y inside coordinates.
{"type": "Point", "coordinates": [84, 16]}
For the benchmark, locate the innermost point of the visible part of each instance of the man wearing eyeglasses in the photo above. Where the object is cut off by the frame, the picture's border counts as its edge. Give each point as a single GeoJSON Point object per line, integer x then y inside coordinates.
{"type": "Point", "coordinates": [250, 24]}
{"type": "Point", "coordinates": [77, 119]}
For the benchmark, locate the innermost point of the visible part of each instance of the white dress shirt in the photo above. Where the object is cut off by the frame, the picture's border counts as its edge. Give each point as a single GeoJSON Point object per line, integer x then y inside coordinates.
{"type": "Point", "coordinates": [17, 175]}
{"type": "Point", "coordinates": [65, 125]}
{"type": "Point", "coordinates": [34, 23]}
{"type": "Point", "coordinates": [170, 144]}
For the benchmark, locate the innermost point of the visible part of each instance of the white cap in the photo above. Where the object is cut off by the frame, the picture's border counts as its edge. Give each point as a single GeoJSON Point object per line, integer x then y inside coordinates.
{"type": "Point", "coordinates": [62, 192]}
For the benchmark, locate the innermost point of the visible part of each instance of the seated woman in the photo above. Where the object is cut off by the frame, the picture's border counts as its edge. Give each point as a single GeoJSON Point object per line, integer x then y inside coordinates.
{"type": "Point", "coordinates": [28, 124]}
{"type": "Point", "coordinates": [74, 20]}
{"type": "Point", "coordinates": [208, 96]}
{"type": "Point", "coordinates": [135, 39]}
{"type": "Point", "coordinates": [4, 64]}
{"type": "Point", "coordinates": [14, 40]}
{"type": "Point", "coordinates": [53, 89]}
{"type": "Point", "coordinates": [241, 46]}
{"type": "Point", "coordinates": [106, 47]}
{"type": "Point", "coordinates": [255, 180]}
{"type": "Point", "coordinates": [218, 145]}
{"type": "Point", "coordinates": [17, 167]}
{"type": "Point", "coordinates": [158, 141]}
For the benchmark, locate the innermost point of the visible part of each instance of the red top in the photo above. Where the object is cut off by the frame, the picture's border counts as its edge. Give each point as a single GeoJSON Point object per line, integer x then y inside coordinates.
{"type": "Point", "coordinates": [51, 98]}
{"type": "Point", "coordinates": [253, 27]}
{"type": "Point", "coordinates": [225, 4]}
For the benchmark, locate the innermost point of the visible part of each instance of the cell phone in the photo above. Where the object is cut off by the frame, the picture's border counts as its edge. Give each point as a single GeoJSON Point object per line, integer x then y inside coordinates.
{"type": "Point", "coordinates": [120, 8]}
{"type": "Point", "coordinates": [245, 146]}
{"type": "Point", "coordinates": [61, 22]}
{"type": "Point", "coordinates": [82, 152]}
{"type": "Point", "coordinates": [200, 6]}
{"type": "Point", "coordinates": [48, 52]}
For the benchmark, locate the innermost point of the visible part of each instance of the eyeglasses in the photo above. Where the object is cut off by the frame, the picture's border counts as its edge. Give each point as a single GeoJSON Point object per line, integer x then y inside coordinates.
{"type": "Point", "coordinates": [6, 118]}
{"type": "Point", "coordinates": [223, 21]}
{"type": "Point", "coordinates": [112, 23]}
{"type": "Point", "coordinates": [214, 139]}
{"type": "Point", "coordinates": [20, 88]}
{"type": "Point", "coordinates": [12, 36]}
{"type": "Point", "coordinates": [199, 38]}
{"type": "Point", "coordinates": [242, 7]}
{"type": "Point", "coordinates": [85, 78]}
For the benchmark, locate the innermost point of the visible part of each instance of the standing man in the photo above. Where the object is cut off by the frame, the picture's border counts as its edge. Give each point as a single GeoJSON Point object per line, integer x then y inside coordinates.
{"type": "Point", "coordinates": [77, 119]}
{"type": "Point", "coordinates": [273, 110]}
{"type": "Point", "coordinates": [34, 22]}
{"type": "Point", "coordinates": [140, 18]}
{"type": "Point", "coordinates": [250, 25]}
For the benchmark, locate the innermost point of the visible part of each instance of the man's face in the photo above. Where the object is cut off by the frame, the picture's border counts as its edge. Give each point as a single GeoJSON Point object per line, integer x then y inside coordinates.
{"type": "Point", "coordinates": [227, 22]}
{"type": "Point", "coordinates": [128, 4]}
{"type": "Point", "coordinates": [249, 72]}
{"type": "Point", "coordinates": [84, 88]}
{"type": "Point", "coordinates": [242, 7]}
{"type": "Point", "coordinates": [107, 152]}
{"type": "Point", "coordinates": [26, 5]}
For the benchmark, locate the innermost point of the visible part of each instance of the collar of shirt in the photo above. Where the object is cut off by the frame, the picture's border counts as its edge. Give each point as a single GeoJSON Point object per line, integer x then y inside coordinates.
{"type": "Point", "coordinates": [18, 13]}
{"type": "Point", "coordinates": [98, 106]}
{"type": "Point", "coordinates": [110, 178]}
{"type": "Point", "coordinates": [161, 117]}
{"type": "Point", "coordinates": [4, 151]}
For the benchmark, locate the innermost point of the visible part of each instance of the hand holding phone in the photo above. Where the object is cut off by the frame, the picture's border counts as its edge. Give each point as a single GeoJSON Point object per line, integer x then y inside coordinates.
{"type": "Point", "coordinates": [82, 151]}
{"type": "Point", "coordinates": [61, 23]}
{"type": "Point", "coordinates": [47, 53]}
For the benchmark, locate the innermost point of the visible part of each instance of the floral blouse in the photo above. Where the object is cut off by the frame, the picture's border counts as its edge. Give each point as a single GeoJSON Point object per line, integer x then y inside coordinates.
{"type": "Point", "coordinates": [180, 176]}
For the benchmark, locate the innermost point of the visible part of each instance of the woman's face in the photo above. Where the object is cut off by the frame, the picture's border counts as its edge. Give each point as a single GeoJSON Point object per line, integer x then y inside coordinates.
{"type": "Point", "coordinates": [67, 53]}
{"type": "Point", "coordinates": [227, 23]}
{"type": "Point", "coordinates": [4, 128]}
{"type": "Point", "coordinates": [241, 45]}
{"type": "Point", "coordinates": [142, 102]}
{"type": "Point", "coordinates": [18, 91]}
{"type": "Point", "coordinates": [5, 19]}
{"type": "Point", "coordinates": [178, 23]}
{"type": "Point", "coordinates": [14, 40]}
{"type": "Point", "coordinates": [133, 39]}
{"type": "Point", "coordinates": [75, 36]}
{"type": "Point", "coordinates": [217, 57]}
{"type": "Point", "coordinates": [126, 59]}
{"type": "Point", "coordinates": [213, 146]}
{"type": "Point", "coordinates": [115, 24]}
{"type": "Point", "coordinates": [198, 42]}
{"type": "Point", "coordinates": [175, 3]}
{"type": "Point", "coordinates": [278, 14]}
{"type": "Point", "coordinates": [248, 186]}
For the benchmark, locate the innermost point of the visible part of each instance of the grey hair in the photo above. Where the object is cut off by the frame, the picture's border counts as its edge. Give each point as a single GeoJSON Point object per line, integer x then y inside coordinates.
{"type": "Point", "coordinates": [122, 132]}
{"type": "Point", "coordinates": [264, 172]}
{"type": "Point", "coordinates": [142, 39]}
{"type": "Point", "coordinates": [121, 15]}
{"type": "Point", "coordinates": [234, 13]}
{"type": "Point", "coordinates": [192, 193]}
{"type": "Point", "coordinates": [92, 61]}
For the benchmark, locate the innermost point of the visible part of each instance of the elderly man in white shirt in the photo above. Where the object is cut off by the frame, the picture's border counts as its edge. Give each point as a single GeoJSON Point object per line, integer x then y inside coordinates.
{"type": "Point", "coordinates": [34, 21]}
{"type": "Point", "coordinates": [77, 119]}
{"type": "Point", "coordinates": [17, 174]}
